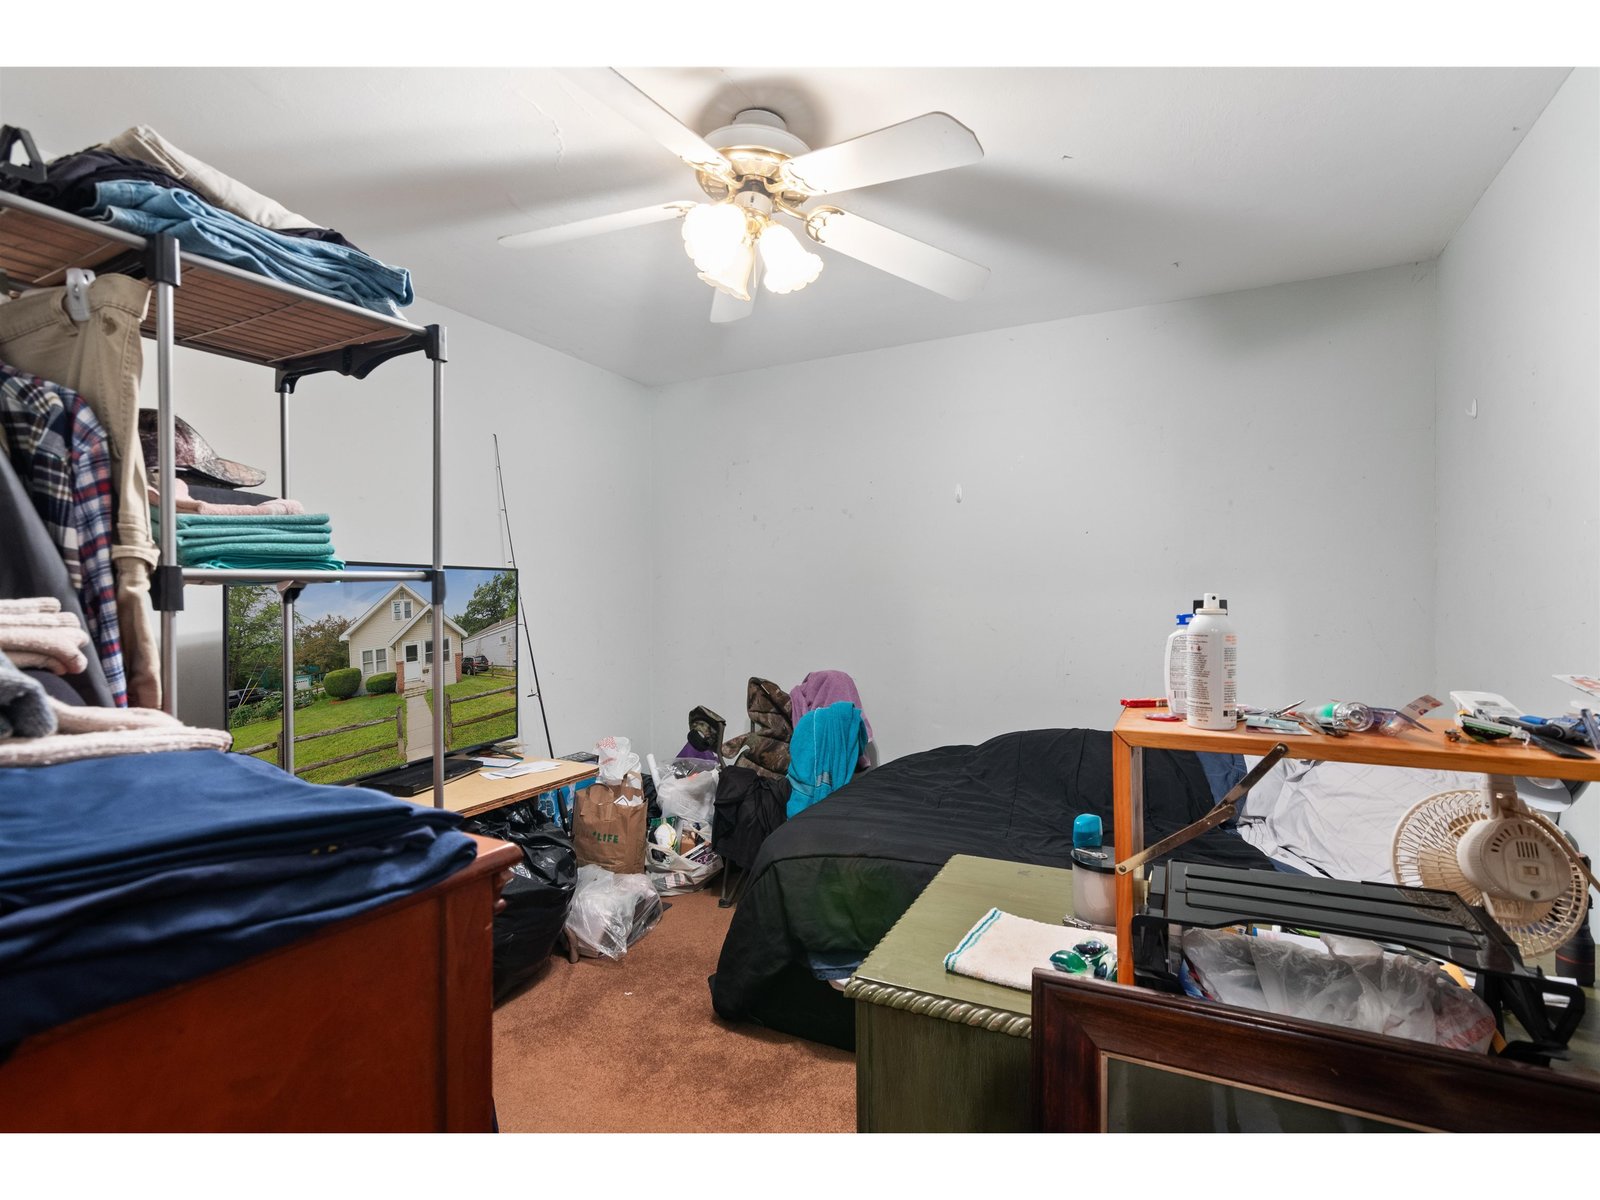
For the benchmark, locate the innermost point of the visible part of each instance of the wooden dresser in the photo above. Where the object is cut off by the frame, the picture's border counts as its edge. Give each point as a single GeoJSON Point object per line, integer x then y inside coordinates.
{"type": "Point", "coordinates": [377, 1024]}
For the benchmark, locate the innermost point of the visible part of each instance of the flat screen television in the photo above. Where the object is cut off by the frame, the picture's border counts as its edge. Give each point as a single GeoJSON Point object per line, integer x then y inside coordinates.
{"type": "Point", "coordinates": [364, 665]}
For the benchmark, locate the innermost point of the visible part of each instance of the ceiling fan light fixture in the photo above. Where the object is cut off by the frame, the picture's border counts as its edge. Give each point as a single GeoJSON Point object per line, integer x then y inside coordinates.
{"type": "Point", "coordinates": [714, 235]}
{"type": "Point", "coordinates": [787, 266]}
{"type": "Point", "coordinates": [734, 275]}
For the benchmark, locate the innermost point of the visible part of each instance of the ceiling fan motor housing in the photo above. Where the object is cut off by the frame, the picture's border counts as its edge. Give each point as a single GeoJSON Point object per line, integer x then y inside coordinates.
{"type": "Point", "coordinates": [758, 143]}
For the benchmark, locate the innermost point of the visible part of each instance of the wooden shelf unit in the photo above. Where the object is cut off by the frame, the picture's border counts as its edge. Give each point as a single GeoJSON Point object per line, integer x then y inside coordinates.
{"type": "Point", "coordinates": [1133, 734]}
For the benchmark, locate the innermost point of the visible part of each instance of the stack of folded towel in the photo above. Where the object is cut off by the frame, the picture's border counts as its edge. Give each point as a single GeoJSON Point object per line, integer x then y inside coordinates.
{"type": "Point", "coordinates": [282, 542]}
{"type": "Point", "coordinates": [37, 730]}
{"type": "Point", "coordinates": [36, 633]}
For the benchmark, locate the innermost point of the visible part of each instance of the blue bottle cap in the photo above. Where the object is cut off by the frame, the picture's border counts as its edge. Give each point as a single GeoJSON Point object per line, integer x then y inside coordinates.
{"type": "Point", "coordinates": [1185, 618]}
{"type": "Point", "coordinates": [1086, 832]}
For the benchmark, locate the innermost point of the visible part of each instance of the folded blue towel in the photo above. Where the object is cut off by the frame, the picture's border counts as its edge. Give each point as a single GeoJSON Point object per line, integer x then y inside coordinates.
{"type": "Point", "coordinates": [325, 267]}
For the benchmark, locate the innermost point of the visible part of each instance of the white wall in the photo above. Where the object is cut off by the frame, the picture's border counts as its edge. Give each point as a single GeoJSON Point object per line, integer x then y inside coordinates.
{"type": "Point", "coordinates": [577, 469]}
{"type": "Point", "coordinates": [1518, 595]}
{"type": "Point", "coordinates": [1274, 445]}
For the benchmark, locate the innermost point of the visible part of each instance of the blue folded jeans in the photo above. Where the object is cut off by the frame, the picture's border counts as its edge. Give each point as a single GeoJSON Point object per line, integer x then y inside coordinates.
{"type": "Point", "coordinates": [326, 267]}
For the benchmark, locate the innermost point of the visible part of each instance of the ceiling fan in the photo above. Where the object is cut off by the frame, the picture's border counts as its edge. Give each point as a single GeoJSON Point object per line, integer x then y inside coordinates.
{"type": "Point", "coordinates": [755, 172]}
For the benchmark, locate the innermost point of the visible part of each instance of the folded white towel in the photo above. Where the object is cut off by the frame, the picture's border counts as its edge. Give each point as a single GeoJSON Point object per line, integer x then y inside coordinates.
{"type": "Point", "coordinates": [1004, 949]}
{"type": "Point", "coordinates": [34, 604]}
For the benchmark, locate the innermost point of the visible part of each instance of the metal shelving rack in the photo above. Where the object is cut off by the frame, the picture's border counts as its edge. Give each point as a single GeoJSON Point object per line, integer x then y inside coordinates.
{"type": "Point", "coordinates": [219, 309]}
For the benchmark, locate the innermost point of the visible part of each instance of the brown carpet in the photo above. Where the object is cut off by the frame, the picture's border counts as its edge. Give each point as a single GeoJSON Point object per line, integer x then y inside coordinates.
{"type": "Point", "coordinates": [633, 1046]}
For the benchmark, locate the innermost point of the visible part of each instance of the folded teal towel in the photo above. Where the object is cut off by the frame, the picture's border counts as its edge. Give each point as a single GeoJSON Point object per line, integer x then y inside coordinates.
{"type": "Point", "coordinates": [187, 521]}
{"type": "Point", "coordinates": [251, 562]}
{"type": "Point", "coordinates": [266, 537]}
{"type": "Point", "coordinates": [192, 556]}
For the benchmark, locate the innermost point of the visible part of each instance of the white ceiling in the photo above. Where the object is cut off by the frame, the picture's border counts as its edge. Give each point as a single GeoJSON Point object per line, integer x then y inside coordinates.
{"type": "Point", "coordinates": [1101, 188]}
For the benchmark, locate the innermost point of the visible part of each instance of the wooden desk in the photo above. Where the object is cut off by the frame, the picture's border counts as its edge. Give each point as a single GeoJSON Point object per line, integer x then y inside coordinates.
{"type": "Point", "coordinates": [473, 794]}
{"type": "Point", "coordinates": [381, 1023]}
{"type": "Point", "coordinates": [1411, 748]}
{"type": "Point", "coordinates": [943, 1053]}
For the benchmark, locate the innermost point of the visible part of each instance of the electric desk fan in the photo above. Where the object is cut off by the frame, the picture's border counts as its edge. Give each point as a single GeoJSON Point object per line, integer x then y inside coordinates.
{"type": "Point", "coordinates": [1489, 848]}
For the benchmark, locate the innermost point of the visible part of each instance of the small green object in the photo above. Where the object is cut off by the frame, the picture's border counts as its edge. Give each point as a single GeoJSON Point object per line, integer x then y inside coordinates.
{"type": "Point", "coordinates": [1092, 948]}
{"type": "Point", "coordinates": [1071, 962]}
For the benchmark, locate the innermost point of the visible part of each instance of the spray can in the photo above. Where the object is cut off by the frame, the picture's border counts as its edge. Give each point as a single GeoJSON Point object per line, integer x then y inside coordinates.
{"type": "Point", "coordinates": [1177, 666]}
{"type": "Point", "coordinates": [1213, 654]}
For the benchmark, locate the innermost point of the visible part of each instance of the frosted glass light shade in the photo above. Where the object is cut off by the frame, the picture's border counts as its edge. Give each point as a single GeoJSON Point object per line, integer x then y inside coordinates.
{"type": "Point", "coordinates": [714, 235]}
{"type": "Point", "coordinates": [788, 266]}
{"type": "Point", "coordinates": [733, 277]}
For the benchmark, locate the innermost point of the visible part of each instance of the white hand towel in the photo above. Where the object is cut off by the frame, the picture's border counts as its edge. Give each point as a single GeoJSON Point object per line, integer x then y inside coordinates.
{"type": "Point", "coordinates": [1004, 949]}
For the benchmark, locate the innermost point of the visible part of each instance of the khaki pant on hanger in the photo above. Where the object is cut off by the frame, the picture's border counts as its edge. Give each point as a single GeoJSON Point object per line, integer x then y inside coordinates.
{"type": "Point", "coordinates": [101, 360]}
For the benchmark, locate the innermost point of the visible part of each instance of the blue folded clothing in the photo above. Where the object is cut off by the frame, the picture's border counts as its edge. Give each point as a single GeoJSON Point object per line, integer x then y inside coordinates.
{"type": "Point", "coordinates": [218, 916]}
{"type": "Point", "coordinates": [326, 267]}
{"type": "Point", "coordinates": [95, 823]}
{"type": "Point", "coordinates": [121, 876]}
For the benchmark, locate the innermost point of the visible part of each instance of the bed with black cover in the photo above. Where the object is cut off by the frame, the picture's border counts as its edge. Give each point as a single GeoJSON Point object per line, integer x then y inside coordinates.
{"type": "Point", "coordinates": [827, 885]}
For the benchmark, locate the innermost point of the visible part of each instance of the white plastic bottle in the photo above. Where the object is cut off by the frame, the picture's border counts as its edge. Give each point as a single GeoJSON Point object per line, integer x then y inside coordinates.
{"type": "Point", "coordinates": [1213, 661]}
{"type": "Point", "coordinates": [1177, 665]}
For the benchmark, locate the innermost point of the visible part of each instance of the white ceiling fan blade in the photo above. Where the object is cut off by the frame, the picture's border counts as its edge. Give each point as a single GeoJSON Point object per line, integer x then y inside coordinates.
{"type": "Point", "coordinates": [724, 308]}
{"type": "Point", "coordinates": [878, 246]}
{"type": "Point", "coordinates": [932, 142]}
{"type": "Point", "coordinates": [617, 93]}
{"type": "Point", "coordinates": [573, 230]}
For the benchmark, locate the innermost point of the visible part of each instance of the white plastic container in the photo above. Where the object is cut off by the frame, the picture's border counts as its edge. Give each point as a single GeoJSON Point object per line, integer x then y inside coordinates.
{"type": "Point", "coordinates": [1213, 655]}
{"type": "Point", "coordinates": [1176, 665]}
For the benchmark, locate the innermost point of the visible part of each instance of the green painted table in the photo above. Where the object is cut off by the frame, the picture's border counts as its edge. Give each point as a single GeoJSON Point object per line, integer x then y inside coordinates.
{"type": "Point", "coordinates": [943, 1053]}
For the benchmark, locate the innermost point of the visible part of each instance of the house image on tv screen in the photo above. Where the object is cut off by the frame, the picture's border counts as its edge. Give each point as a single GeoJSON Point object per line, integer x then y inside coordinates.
{"type": "Point", "coordinates": [497, 644]}
{"type": "Point", "coordinates": [396, 634]}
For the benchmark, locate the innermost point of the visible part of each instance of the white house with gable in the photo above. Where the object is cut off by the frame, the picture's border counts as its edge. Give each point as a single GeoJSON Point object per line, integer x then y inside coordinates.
{"type": "Point", "coordinates": [396, 634]}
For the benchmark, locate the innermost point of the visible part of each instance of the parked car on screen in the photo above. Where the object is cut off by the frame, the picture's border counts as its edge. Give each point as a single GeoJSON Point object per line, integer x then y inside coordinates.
{"type": "Point", "coordinates": [475, 664]}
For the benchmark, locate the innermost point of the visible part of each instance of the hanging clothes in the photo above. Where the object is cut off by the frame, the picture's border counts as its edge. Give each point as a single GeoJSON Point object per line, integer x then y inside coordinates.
{"type": "Point", "coordinates": [101, 360]}
{"type": "Point", "coordinates": [58, 448]}
{"type": "Point", "coordinates": [823, 752]}
{"type": "Point", "coordinates": [822, 688]}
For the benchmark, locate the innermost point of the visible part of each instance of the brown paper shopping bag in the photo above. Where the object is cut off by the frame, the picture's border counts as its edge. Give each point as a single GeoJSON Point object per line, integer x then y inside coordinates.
{"type": "Point", "coordinates": [608, 826]}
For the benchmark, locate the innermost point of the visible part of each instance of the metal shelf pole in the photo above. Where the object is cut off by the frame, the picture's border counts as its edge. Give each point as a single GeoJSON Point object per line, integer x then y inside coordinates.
{"type": "Point", "coordinates": [168, 571]}
{"type": "Point", "coordinates": [439, 663]}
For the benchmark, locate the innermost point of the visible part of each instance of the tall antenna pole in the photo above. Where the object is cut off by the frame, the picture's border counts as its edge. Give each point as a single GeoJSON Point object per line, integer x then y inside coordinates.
{"type": "Point", "coordinates": [527, 633]}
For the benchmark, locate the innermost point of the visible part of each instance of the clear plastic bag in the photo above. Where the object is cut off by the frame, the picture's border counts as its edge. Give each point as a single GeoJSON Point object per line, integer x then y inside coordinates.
{"type": "Point", "coordinates": [679, 857]}
{"type": "Point", "coordinates": [616, 759]}
{"type": "Point", "coordinates": [687, 789]}
{"type": "Point", "coordinates": [1351, 982]}
{"type": "Point", "coordinates": [610, 913]}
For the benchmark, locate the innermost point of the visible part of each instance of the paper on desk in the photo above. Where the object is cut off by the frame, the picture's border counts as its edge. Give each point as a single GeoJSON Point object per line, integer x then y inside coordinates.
{"type": "Point", "coordinates": [1584, 683]}
{"type": "Point", "coordinates": [491, 760]}
{"type": "Point", "coordinates": [526, 768]}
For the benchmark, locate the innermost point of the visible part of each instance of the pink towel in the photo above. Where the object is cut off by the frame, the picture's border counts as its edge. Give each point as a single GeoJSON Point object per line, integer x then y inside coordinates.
{"type": "Point", "coordinates": [35, 604]}
{"type": "Point", "coordinates": [85, 732]}
{"type": "Point", "coordinates": [822, 688]}
{"type": "Point", "coordinates": [269, 508]}
{"type": "Point", "coordinates": [27, 644]}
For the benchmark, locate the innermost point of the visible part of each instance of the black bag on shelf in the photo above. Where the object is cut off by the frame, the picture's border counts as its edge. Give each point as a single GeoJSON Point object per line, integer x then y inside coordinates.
{"type": "Point", "coordinates": [537, 896]}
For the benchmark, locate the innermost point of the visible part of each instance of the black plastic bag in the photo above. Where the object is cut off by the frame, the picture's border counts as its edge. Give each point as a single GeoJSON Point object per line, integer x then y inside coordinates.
{"type": "Point", "coordinates": [537, 896]}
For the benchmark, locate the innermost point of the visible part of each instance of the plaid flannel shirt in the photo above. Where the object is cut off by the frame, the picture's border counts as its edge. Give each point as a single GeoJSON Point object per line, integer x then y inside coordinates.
{"type": "Point", "coordinates": [61, 454]}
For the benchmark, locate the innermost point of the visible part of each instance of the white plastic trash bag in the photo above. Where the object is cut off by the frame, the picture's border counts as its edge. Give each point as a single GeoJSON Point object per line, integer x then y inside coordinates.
{"type": "Point", "coordinates": [1347, 981]}
{"type": "Point", "coordinates": [610, 912]}
{"type": "Point", "coordinates": [616, 760]}
{"type": "Point", "coordinates": [692, 797]}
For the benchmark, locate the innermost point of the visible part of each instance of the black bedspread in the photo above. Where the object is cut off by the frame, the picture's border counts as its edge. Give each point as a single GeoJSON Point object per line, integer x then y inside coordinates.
{"type": "Point", "coordinates": [834, 880]}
